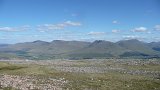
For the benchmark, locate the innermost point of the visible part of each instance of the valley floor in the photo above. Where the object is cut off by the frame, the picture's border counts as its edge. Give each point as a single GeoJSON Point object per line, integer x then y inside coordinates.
{"type": "Point", "coordinates": [93, 74]}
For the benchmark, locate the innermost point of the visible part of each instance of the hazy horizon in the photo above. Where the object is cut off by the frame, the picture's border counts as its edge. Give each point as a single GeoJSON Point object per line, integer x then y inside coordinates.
{"type": "Point", "coordinates": [80, 41]}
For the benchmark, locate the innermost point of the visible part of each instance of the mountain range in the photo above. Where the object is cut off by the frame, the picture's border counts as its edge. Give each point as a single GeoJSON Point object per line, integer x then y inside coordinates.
{"type": "Point", "coordinates": [59, 49]}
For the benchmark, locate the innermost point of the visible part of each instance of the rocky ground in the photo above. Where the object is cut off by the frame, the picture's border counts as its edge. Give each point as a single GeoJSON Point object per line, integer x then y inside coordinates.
{"type": "Point", "coordinates": [60, 74]}
{"type": "Point", "coordinates": [31, 82]}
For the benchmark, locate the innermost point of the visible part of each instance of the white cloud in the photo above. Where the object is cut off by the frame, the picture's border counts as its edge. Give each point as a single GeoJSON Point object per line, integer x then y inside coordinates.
{"type": "Point", "coordinates": [131, 37]}
{"type": "Point", "coordinates": [59, 26]}
{"type": "Point", "coordinates": [115, 22]}
{"type": "Point", "coordinates": [3, 38]}
{"type": "Point", "coordinates": [149, 32]}
{"type": "Point", "coordinates": [128, 37]}
{"type": "Point", "coordinates": [157, 27]}
{"type": "Point", "coordinates": [140, 29]}
{"type": "Point", "coordinates": [14, 29]}
{"type": "Point", "coordinates": [50, 27]}
{"type": "Point", "coordinates": [42, 31]}
{"type": "Point", "coordinates": [115, 31]}
{"type": "Point", "coordinates": [5, 29]}
{"type": "Point", "coordinates": [96, 33]}
{"type": "Point", "coordinates": [70, 23]}
{"type": "Point", "coordinates": [74, 14]}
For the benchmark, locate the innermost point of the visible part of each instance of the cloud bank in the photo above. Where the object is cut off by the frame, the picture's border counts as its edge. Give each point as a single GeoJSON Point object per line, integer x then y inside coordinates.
{"type": "Point", "coordinates": [15, 29]}
{"type": "Point", "coordinates": [58, 26]}
{"type": "Point", "coordinates": [140, 29]}
{"type": "Point", "coordinates": [115, 31]}
{"type": "Point", "coordinates": [157, 27]}
{"type": "Point", "coordinates": [96, 33]}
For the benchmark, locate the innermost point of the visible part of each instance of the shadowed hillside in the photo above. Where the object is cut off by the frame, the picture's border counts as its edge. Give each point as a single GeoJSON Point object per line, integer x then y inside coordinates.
{"type": "Point", "coordinates": [80, 50]}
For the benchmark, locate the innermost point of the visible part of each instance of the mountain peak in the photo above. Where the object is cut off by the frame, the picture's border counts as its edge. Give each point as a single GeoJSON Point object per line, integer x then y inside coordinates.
{"type": "Point", "coordinates": [69, 49]}
{"type": "Point", "coordinates": [40, 42]}
{"type": "Point", "coordinates": [58, 41]}
{"type": "Point", "coordinates": [37, 41]}
{"type": "Point", "coordinates": [99, 41]}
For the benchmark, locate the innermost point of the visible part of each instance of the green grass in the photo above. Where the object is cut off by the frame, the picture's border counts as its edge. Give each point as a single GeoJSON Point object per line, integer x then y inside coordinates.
{"type": "Point", "coordinates": [88, 81]}
{"type": "Point", "coordinates": [6, 68]}
{"type": "Point", "coordinates": [108, 81]}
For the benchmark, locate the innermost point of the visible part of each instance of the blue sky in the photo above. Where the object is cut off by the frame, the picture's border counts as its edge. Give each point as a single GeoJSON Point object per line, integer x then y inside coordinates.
{"type": "Point", "coordinates": [83, 20]}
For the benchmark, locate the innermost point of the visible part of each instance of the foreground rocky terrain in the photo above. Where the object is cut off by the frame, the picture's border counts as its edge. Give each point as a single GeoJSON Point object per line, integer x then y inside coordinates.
{"type": "Point", "coordinates": [93, 74]}
{"type": "Point", "coordinates": [31, 82]}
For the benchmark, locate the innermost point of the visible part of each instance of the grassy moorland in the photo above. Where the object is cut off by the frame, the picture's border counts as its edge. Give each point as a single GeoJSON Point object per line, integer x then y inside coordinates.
{"type": "Point", "coordinates": [80, 75]}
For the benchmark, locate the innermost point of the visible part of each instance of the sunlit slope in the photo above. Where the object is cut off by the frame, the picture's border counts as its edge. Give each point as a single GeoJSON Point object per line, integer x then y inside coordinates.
{"type": "Point", "coordinates": [78, 49]}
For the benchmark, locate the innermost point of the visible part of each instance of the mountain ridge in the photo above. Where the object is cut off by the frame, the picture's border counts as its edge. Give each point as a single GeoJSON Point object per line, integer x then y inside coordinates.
{"type": "Point", "coordinates": [80, 49]}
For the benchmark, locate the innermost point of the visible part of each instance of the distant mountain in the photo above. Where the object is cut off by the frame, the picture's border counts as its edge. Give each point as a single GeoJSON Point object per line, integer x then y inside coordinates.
{"type": "Point", "coordinates": [3, 45]}
{"type": "Point", "coordinates": [155, 45]}
{"type": "Point", "coordinates": [80, 50]}
{"type": "Point", "coordinates": [43, 50]}
{"type": "Point", "coordinates": [134, 46]}
{"type": "Point", "coordinates": [99, 48]}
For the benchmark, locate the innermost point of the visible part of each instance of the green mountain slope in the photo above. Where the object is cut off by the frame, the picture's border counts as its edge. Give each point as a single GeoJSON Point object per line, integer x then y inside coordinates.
{"type": "Point", "coordinates": [78, 49]}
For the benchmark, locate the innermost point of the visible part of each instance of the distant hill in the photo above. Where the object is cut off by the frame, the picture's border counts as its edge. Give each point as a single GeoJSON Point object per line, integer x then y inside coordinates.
{"type": "Point", "coordinates": [99, 48]}
{"type": "Point", "coordinates": [80, 50]}
{"type": "Point", "coordinates": [155, 45]}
